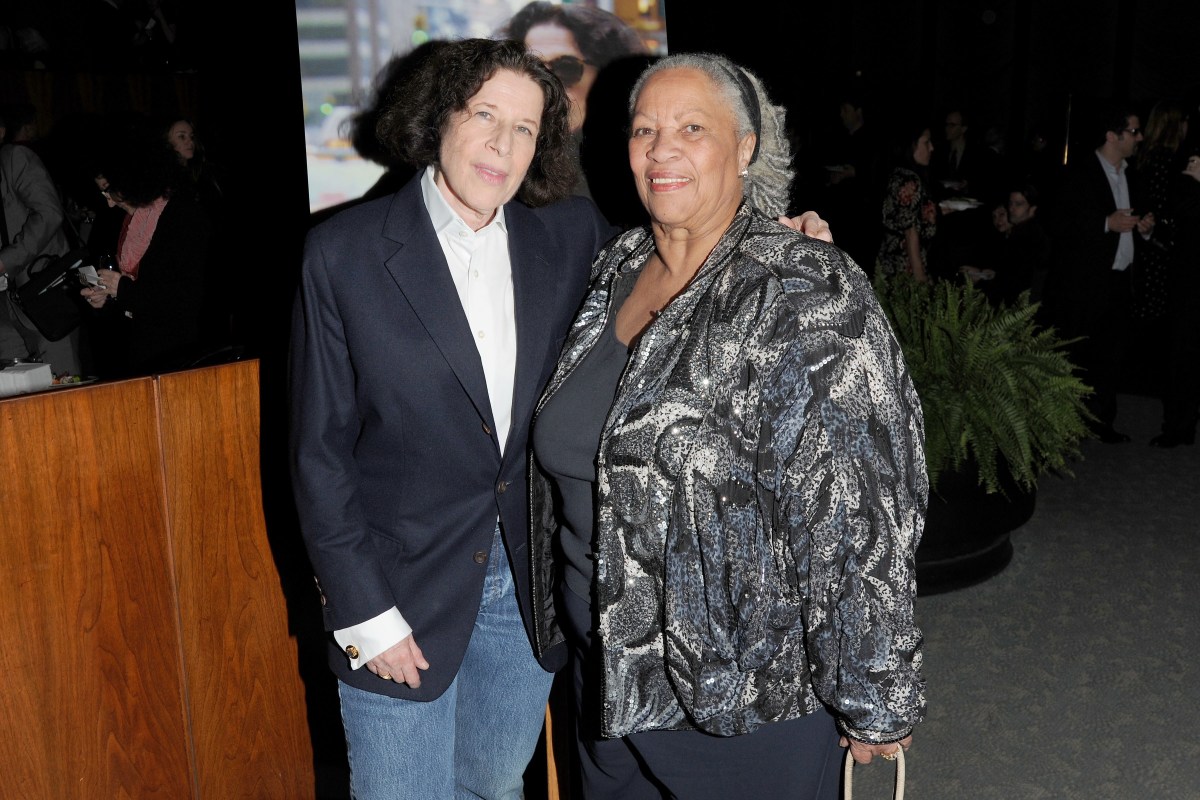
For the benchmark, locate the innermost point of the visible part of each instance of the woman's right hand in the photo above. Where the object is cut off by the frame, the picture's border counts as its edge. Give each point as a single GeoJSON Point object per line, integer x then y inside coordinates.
{"type": "Point", "coordinates": [402, 663]}
{"type": "Point", "coordinates": [863, 752]}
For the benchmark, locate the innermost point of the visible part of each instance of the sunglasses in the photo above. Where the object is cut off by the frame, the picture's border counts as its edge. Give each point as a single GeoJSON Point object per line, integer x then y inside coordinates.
{"type": "Point", "coordinates": [1132, 131]}
{"type": "Point", "coordinates": [568, 69]}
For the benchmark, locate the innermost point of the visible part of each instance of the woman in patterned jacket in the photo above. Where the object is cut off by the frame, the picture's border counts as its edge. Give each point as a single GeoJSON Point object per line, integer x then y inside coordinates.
{"type": "Point", "coordinates": [730, 483]}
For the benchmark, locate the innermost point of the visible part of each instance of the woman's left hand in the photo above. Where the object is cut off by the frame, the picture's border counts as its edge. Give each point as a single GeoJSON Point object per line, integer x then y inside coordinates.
{"type": "Point", "coordinates": [110, 279]}
{"type": "Point", "coordinates": [810, 224]}
{"type": "Point", "coordinates": [863, 752]}
{"type": "Point", "coordinates": [95, 296]}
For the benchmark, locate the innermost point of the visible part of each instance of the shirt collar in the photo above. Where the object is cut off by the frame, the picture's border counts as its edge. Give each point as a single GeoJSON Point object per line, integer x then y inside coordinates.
{"type": "Point", "coordinates": [444, 217]}
{"type": "Point", "coordinates": [1108, 167]}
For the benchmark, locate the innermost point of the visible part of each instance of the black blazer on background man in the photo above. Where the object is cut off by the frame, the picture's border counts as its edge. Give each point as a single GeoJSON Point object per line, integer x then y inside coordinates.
{"type": "Point", "coordinates": [1083, 251]}
{"type": "Point", "coordinates": [397, 471]}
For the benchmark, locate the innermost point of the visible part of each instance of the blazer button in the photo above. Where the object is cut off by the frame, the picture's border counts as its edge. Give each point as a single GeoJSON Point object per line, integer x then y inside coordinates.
{"type": "Point", "coordinates": [352, 651]}
{"type": "Point", "coordinates": [486, 429]}
{"type": "Point", "coordinates": [480, 556]}
{"type": "Point", "coordinates": [501, 487]}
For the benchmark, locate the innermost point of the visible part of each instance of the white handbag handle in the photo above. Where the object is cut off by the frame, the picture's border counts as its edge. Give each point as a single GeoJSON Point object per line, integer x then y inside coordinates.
{"type": "Point", "coordinates": [848, 776]}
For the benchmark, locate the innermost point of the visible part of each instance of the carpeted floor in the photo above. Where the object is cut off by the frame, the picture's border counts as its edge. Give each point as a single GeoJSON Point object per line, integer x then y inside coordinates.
{"type": "Point", "coordinates": [1074, 673]}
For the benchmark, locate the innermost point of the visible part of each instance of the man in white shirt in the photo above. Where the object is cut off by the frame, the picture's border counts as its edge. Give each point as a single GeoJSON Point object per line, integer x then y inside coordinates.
{"type": "Point", "coordinates": [1097, 223]}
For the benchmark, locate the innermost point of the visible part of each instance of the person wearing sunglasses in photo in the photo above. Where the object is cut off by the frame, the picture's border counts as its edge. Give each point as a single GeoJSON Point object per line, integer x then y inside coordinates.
{"type": "Point", "coordinates": [575, 42]}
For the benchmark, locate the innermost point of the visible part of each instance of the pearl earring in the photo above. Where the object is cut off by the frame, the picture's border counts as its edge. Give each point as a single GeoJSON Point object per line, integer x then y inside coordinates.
{"type": "Point", "coordinates": [744, 173]}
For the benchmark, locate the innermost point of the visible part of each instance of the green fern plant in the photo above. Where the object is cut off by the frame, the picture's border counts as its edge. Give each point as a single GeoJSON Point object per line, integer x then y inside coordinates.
{"type": "Point", "coordinates": [996, 388]}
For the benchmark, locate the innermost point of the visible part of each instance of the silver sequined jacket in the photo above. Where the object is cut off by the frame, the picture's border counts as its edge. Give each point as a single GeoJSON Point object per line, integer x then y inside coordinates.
{"type": "Point", "coordinates": [761, 492]}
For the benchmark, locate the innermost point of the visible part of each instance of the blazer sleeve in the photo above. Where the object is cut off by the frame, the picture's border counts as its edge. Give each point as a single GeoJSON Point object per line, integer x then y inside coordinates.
{"type": "Point", "coordinates": [29, 189]}
{"type": "Point", "coordinates": [324, 425]}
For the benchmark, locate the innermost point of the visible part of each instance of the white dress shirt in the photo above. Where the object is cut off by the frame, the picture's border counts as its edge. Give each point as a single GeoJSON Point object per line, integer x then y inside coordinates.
{"type": "Point", "coordinates": [1120, 188]}
{"type": "Point", "coordinates": [482, 273]}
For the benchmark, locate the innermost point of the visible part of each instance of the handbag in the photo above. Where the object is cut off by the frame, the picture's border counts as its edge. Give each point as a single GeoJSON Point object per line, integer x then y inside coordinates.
{"type": "Point", "coordinates": [52, 303]}
{"type": "Point", "coordinates": [50, 298]}
{"type": "Point", "coordinates": [848, 776]}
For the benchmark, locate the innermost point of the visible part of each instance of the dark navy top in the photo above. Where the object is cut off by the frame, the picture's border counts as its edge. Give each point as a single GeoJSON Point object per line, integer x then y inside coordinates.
{"type": "Point", "coordinates": [566, 438]}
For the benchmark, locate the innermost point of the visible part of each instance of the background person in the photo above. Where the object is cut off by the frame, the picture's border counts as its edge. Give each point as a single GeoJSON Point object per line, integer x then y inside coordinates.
{"type": "Point", "coordinates": [576, 42]}
{"type": "Point", "coordinates": [1157, 164]}
{"type": "Point", "coordinates": [33, 227]}
{"type": "Point", "coordinates": [151, 304]}
{"type": "Point", "coordinates": [851, 169]}
{"type": "Point", "coordinates": [203, 179]}
{"type": "Point", "coordinates": [910, 215]}
{"type": "Point", "coordinates": [1099, 223]}
{"type": "Point", "coordinates": [1181, 387]}
{"type": "Point", "coordinates": [730, 462]}
{"type": "Point", "coordinates": [199, 169]}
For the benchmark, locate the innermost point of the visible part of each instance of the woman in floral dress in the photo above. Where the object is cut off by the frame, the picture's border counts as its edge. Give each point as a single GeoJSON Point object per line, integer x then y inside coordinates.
{"type": "Point", "coordinates": [909, 212]}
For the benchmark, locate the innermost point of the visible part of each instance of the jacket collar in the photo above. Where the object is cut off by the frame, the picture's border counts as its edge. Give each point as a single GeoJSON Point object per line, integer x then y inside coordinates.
{"type": "Point", "coordinates": [421, 273]}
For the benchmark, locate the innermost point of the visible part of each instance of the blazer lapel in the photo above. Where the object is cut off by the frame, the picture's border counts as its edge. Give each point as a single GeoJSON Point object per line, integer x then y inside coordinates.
{"type": "Point", "coordinates": [535, 290]}
{"type": "Point", "coordinates": [420, 271]}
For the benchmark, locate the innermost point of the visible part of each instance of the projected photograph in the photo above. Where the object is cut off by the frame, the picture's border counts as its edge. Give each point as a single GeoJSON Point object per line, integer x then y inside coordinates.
{"type": "Point", "coordinates": [348, 48]}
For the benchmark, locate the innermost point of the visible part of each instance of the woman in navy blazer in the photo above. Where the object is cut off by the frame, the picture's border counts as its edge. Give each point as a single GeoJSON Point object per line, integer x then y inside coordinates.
{"type": "Point", "coordinates": [414, 512]}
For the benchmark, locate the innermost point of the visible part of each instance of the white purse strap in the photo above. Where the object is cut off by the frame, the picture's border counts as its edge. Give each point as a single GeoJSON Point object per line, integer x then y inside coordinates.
{"type": "Point", "coordinates": [848, 776]}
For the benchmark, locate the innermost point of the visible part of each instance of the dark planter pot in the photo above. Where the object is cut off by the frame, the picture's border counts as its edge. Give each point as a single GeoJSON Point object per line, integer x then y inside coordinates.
{"type": "Point", "coordinates": [966, 537]}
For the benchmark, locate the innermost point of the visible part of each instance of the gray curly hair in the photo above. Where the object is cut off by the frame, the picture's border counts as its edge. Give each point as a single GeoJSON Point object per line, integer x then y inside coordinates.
{"type": "Point", "coordinates": [768, 181]}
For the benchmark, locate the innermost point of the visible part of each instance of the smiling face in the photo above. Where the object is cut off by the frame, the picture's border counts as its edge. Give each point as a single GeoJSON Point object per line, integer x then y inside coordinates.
{"type": "Point", "coordinates": [556, 46]}
{"type": "Point", "coordinates": [487, 148]}
{"type": "Point", "coordinates": [183, 138]}
{"type": "Point", "coordinates": [685, 153]}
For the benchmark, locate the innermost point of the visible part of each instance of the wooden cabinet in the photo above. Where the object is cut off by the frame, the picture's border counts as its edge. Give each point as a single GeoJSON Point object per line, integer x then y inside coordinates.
{"type": "Point", "coordinates": [146, 642]}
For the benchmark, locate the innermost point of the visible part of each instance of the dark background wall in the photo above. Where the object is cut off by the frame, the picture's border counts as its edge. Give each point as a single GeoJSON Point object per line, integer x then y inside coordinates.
{"type": "Point", "coordinates": [1015, 62]}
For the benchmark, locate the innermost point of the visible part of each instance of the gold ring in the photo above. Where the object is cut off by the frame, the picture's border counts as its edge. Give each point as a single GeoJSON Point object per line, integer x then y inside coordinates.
{"type": "Point", "coordinates": [387, 677]}
{"type": "Point", "coordinates": [890, 756]}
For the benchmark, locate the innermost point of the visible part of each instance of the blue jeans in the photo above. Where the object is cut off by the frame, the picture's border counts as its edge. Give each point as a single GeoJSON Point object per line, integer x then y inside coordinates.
{"type": "Point", "coordinates": [473, 741]}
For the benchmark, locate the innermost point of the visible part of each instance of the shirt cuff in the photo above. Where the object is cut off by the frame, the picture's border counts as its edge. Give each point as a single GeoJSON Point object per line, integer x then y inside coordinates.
{"type": "Point", "coordinates": [364, 641]}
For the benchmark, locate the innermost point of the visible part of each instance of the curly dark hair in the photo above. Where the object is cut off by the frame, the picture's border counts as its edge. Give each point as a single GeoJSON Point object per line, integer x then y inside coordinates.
{"type": "Point", "coordinates": [1113, 118]}
{"type": "Point", "coordinates": [602, 37]}
{"type": "Point", "coordinates": [139, 165]}
{"type": "Point", "coordinates": [397, 72]}
{"type": "Point", "coordinates": [417, 111]}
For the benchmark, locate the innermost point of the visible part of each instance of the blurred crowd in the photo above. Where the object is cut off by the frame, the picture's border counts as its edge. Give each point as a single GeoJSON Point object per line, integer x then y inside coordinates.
{"type": "Point", "coordinates": [140, 201]}
{"type": "Point", "coordinates": [1100, 232]}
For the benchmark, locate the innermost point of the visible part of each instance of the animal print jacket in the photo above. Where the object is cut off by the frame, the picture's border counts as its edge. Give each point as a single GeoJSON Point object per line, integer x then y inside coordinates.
{"type": "Point", "coordinates": [761, 493]}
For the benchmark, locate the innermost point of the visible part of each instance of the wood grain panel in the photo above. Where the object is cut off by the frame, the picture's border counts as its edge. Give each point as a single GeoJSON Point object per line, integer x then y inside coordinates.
{"type": "Point", "coordinates": [91, 704]}
{"type": "Point", "coordinates": [247, 700]}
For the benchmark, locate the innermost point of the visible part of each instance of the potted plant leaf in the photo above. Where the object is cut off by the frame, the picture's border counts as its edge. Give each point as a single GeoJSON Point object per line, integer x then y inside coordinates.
{"type": "Point", "coordinates": [1002, 406]}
